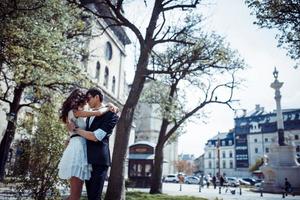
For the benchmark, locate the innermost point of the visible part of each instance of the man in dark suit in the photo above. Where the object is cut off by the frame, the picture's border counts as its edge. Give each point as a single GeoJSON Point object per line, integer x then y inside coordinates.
{"type": "Point", "coordinates": [97, 133]}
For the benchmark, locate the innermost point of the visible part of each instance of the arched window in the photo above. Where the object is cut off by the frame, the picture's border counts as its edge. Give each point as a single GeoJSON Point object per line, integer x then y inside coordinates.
{"type": "Point", "coordinates": [106, 75]}
{"type": "Point", "coordinates": [113, 87]}
{"type": "Point", "coordinates": [97, 75]}
{"type": "Point", "coordinates": [108, 51]}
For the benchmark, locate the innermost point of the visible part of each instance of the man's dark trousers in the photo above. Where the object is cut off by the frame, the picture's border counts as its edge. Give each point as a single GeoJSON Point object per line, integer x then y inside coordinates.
{"type": "Point", "coordinates": [94, 186]}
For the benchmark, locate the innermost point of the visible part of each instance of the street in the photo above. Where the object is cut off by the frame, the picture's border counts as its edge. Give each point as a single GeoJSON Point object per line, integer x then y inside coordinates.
{"type": "Point", "coordinates": [213, 194]}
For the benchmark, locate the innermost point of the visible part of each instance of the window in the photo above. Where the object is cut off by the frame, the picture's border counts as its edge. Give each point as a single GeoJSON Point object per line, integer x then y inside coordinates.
{"type": "Point", "coordinates": [298, 148]}
{"type": "Point", "coordinates": [148, 169]}
{"type": "Point", "coordinates": [223, 154]}
{"type": "Point", "coordinates": [113, 87]}
{"type": "Point", "coordinates": [231, 164]}
{"type": "Point", "coordinates": [106, 75]}
{"type": "Point", "coordinates": [267, 150]}
{"type": "Point", "coordinates": [223, 143]}
{"type": "Point", "coordinates": [97, 75]}
{"type": "Point", "coordinates": [266, 139]}
{"type": "Point", "coordinates": [230, 154]}
{"type": "Point", "coordinates": [296, 137]}
{"type": "Point", "coordinates": [255, 140]}
{"type": "Point", "coordinates": [230, 142]}
{"type": "Point", "coordinates": [224, 164]}
{"type": "Point", "coordinates": [209, 154]}
{"type": "Point", "coordinates": [209, 165]}
{"type": "Point", "coordinates": [256, 150]}
{"type": "Point", "coordinates": [108, 51]}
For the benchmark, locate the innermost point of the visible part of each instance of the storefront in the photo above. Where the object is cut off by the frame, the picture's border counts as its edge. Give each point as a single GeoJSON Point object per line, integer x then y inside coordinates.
{"type": "Point", "coordinates": [141, 156]}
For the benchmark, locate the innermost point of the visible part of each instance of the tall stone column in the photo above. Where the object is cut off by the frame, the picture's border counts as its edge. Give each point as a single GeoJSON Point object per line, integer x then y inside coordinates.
{"type": "Point", "coordinates": [280, 127]}
{"type": "Point", "coordinates": [280, 162]}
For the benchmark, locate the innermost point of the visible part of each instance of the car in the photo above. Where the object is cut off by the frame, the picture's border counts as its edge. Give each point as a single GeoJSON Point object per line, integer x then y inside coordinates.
{"type": "Point", "coordinates": [250, 180]}
{"type": "Point", "coordinates": [192, 180]}
{"type": "Point", "coordinates": [259, 185]}
{"type": "Point", "coordinates": [232, 181]}
{"type": "Point", "coordinates": [171, 178]}
{"type": "Point", "coordinates": [243, 182]}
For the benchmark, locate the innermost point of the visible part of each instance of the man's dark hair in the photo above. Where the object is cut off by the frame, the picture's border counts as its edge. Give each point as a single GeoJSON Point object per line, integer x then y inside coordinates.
{"type": "Point", "coordinates": [94, 92]}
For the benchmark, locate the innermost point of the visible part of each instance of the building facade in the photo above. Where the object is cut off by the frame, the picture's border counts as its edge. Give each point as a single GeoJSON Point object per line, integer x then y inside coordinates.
{"type": "Point", "coordinates": [219, 156]}
{"type": "Point", "coordinates": [148, 122]}
{"type": "Point", "coordinates": [257, 130]}
{"type": "Point", "coordinates": [252, 137]}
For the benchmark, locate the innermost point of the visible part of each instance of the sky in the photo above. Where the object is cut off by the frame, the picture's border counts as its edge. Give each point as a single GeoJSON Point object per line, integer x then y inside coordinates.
{"type": "Point", "coordinates": [258, 47]}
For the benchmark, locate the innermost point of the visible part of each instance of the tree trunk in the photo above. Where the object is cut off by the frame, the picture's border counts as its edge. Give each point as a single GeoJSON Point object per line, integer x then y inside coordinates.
{"type": "Point", "coordinates": [116, 184]}
{"type": "Point", "coordinates": [156, 184]}
{"type": "Point", "coordinates": [156, 178]}
{"type": "Point", "coordinates": [10, 130]}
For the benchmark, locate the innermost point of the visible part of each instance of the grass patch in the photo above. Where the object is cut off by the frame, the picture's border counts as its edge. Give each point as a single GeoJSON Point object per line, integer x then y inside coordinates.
{"type": "Point", "coordinates": [147, 196]}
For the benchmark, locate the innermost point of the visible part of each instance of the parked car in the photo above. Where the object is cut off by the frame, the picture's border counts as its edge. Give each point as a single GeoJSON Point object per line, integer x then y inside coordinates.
{"type": "Point", "coordinates": [250, 180]}
{"type": "Point", "coordinates": [192, 180]}
{"type": "Point", "coordinates": [243, 182]}
{"type": "Point", "coordinates": [232, 181]}
{"type": "Point", "coordinates": [171, 178]}
{"type": "Point", "coordinates": [258, 185]}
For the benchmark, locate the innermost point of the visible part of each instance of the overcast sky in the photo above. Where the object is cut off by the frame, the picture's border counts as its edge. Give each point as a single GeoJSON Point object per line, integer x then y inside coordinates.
{"type": "Point", "coordinates": [258, 47]}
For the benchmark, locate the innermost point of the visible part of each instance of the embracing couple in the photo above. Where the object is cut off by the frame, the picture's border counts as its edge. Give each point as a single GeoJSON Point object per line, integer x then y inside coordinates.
{"type": "Point", "coordinates": [87, 155]}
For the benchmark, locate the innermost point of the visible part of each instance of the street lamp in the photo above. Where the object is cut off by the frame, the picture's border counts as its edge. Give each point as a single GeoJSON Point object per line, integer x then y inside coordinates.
{"type": "Point", "coordinates": [219, 165]}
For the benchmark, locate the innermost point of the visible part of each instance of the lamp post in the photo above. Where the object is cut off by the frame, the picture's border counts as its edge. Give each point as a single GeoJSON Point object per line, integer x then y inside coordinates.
{"type": "Point", "coordinates": [280, 128]}
{"type": "Point", "coordinates": [219, 166]}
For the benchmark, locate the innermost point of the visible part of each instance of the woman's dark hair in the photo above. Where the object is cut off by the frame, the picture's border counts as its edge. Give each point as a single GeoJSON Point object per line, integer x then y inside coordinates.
{"type": "Point", "coordinates": [75, 99]}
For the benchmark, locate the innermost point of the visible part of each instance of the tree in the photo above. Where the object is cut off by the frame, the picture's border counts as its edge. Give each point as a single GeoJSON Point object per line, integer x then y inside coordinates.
{"type": "Point", "coordinates": [157, 32]}
{"type": "Point", "coordinates": [283, 15]}
{"type": "Point", "coordinates": [40, 175]}
{"type": "Point", "coordinates": [208, 69]}
{"type": "Point", "coordinates": [184, 166]}
{"type": "Point", "coordinates": [35, 57]}
{"type": "Point", "coordinates": [258, 163]}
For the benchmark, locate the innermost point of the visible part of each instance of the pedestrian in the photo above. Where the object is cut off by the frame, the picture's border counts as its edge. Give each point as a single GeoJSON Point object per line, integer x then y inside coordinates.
{"type": "Point", "coordinates": [287, 186]}
{"type": "Point", "coordinates": [222, 180]}
{"type": "Point", "coordinates": [214, 181]}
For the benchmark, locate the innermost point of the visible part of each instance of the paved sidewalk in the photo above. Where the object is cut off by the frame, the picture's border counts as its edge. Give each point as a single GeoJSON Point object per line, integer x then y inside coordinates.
{"type": "Point", "coordinates": [213, 194]}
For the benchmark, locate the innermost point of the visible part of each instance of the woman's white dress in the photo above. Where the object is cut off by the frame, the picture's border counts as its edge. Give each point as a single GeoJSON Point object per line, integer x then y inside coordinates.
{"type": "Point", "coordinates": [74, 159]}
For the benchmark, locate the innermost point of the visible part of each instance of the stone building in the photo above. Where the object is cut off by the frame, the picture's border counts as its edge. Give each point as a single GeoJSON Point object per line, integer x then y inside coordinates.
{"type": "Point", "coordinates": [249, 141]}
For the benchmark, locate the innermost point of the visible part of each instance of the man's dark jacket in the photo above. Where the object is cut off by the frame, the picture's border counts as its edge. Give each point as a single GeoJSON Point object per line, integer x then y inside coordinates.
{"type": "Point", "coordinates": [98, 153]}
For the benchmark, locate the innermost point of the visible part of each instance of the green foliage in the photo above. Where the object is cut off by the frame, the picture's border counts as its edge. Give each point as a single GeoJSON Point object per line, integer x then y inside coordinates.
{"type": "Point", "coordinates": [283, 15]}
{"type": "Point", "coordinates": [40, 176]}
{"type": "Point", "coordinates": [258, 163]}
{"type": "Point", "coordinates": [35, 49]}
{"type": "Point", "coordinates": [146, 196]}
{"type": "Point", "coordinates": [38, 55]}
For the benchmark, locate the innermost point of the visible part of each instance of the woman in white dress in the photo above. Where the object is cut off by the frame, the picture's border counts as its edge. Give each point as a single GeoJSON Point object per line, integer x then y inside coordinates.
{"type": "Point", "coordinates": [73, 164]}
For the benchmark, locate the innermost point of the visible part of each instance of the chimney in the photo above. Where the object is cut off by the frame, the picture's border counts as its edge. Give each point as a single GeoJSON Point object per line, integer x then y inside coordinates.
{"type": "Point", "coordinates": [244, 112]}
{"type": "Point", "coordinates": [257, 107]}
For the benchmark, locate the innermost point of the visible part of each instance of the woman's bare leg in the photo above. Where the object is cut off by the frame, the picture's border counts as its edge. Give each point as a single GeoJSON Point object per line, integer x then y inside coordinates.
{"type": "Point", "coordinates": [76, 188]}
